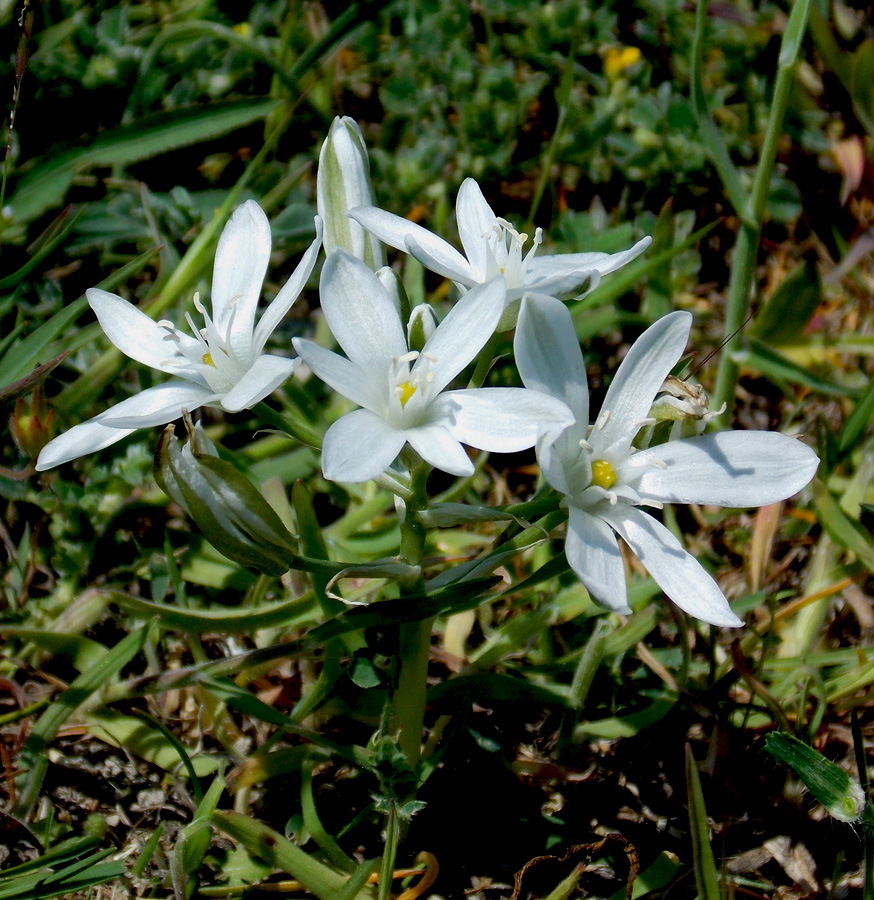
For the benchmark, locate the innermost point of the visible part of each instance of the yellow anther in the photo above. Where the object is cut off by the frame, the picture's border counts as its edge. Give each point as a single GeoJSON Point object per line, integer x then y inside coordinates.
{"type": "Point", "coordinates": [603, 474]}
{"type": "Point", "coordinates": [207, 360]}
{"type": "Point", "coordinates": [406, 390]}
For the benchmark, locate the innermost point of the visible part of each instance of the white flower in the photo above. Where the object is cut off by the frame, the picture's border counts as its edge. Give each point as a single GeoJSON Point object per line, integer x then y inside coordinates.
{"type": "Point", "coordinates": [222, 365]}
{"type": "Point", "coordinates": [402, 390]}
{"type": "Point", "coordinates": [605, 479]}
{"type": "Point", "coordinates": [343, 183]}
{"type": "Point", "coordinates": [493, 249]}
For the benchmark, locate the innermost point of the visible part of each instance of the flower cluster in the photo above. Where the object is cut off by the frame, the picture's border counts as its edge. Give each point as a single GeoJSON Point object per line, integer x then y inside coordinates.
{"type": "Point", "coordinates": [399, 368]}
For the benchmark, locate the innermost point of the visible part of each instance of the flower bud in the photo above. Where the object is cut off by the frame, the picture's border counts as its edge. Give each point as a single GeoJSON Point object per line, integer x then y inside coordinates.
{"type": "Point", "coordinates": [343, 183]}
{"type": "Point", "coordinates": [31, 424]}
{"type": "Point", "coordinates": [840, 794]}
{"type": "Point", "coordinates": [422, 324]}
{"type": "Point", "coordinates": [226, 506]}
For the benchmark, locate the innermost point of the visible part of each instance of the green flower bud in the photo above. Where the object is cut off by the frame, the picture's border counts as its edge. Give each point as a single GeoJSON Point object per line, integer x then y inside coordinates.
{"type": "Point", "coordinates": [233, 516]}
{"type": "Point", "coordinates": [840, 794]}
{"type": "Point", "coordinates": [32, 424]}
{"type": "Point", "coordinates": [422, 324]}
{"type": "Point", "coordinates": [343, 183]}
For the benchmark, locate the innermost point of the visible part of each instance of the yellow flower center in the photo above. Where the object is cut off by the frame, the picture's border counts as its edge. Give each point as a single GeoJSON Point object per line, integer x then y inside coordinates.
{"type": "Point", "coordinates": [603, 474]}
{"type": "Point", "coordinates": [406, 390]}
{"type": "Point", "coordinates": [207, 360]}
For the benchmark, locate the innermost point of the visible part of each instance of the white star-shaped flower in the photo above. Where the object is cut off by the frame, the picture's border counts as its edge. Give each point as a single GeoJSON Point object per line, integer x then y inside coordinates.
{"type": "Point", "coordinates": [605, 479]}
{"type": "Point", "coordinates": [493, 248]}
{"type": "Point", "coordinates": [222, 365]}
{"type": "Point", "coordinates": [402, 391]}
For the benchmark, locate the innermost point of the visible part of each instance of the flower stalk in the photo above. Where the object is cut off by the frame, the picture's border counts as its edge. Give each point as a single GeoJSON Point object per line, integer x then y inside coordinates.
{"type": "Point", "coordinates": [749, 206]}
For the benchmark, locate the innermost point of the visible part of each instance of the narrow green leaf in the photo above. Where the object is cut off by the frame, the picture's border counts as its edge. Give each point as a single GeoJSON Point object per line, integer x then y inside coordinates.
{"type": "Point", "coordinates": [26, 354]}
{"type": "Point", "coordinates": [52, 238]}
{"type": "Point", "coordinates": [386, 613]}
{"type": "Point", "coordinates": [728, 174]}
{"type": "Point", "coordinates": [857, 421]}
{"type": "Point", "coordinates": [141, 738]}
{"type": "Point", "coordinates": [762, 359]}
{"type": "Point", "coordinates": [313, 825]}
{"type": "Point", "coordinates": [862, 84]}
{"type": "Point", "coordinates": [312, 543]}
{"type": "Point", "coordinates": [46, 184]}
{"type": "Point", "coordinates": [627, 726]}
{"type": "Point", "coordinates": [192, 843]}
{"type": "Point", "coordinates": [788, 310]}
{"type": "Point", "coordinates": [841, 528]}
{"type": "Point", "coordinates": [706, 874]}
{"type": "Point", "coordinates": [33, 759]}
{"type": "Point", "coordinates": [295, 613]}
{"type": "Point", "coordinates": [654, 877]}
{"type": "Point", "coordinates": [266, 844]}
{"type": "Point", "coordinates": [568, 885]}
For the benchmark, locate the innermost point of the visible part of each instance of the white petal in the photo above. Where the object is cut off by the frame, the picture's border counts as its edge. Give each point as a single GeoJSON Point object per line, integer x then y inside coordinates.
{"type": "Point", "coordinates": [548, 354]}
{"type": "Point", "coordinates": [475, 220]}
{"type": "Point", "coordinates": [437, 254]}
{"type": "Point", "coordinates": [644, 369]}
{"type": "Point", "coordinates": [78, 441]}
{"type": "Point", "coordinates": [361, 314]}
{"type": "Point", "coordinates": [289, 292]}
{"type": "Point", "coordinates": [565, 273]}
{"type": "Point", "coordinates": [593, 553]}
{"type": "Point", "coordinates": [440, 449]}
{"type": "Point", "coordinates": [343, 376]}
{"type": "Point", "coordinates": [158, 405]}
{"type": "Point", "coordinates": [462, 334]}
{"type": "Point", "coordinates": [138, 336]}
{"type": "Point", "coordinates": [343, 183]}
{"type": "Point", "coordinates": [241, 260]}
{"type": "Point", "coordinates": [732, 468]}
{"type": "Point", "coordinates": [266, 374]}
{"type": "Point", "coordinates": [359, 446]}
{"type": "Point", "coordinates": [675, 571]}
{"type": "Point", "coordinates": [502, 420]}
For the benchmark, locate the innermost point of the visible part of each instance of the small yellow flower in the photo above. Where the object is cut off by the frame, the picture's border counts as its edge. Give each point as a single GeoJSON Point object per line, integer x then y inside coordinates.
{"type": "Point", "coordinates": [617, 60]}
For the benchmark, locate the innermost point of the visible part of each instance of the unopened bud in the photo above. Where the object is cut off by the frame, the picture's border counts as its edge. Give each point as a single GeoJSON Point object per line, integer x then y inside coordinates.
{"type": "Point", "coordinates": [840, 794]}
{"type": "Point", "coordinates": [343, 183]}
{"type": "Point", "coordinates": [233, 516]}
{"type": "Point", "coordinates": [32, 424]}
{"type": "Point", "coordinates": [421, 326]}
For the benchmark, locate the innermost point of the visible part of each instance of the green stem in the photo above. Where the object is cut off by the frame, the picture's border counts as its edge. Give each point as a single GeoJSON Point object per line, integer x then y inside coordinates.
{"type": "Point", "coordinates": [484, 362]}
{"type": "Point", "coordinates": [414, 638]}
{"type": "Point", "coordinates": [288, 424]}
{"type": "Point", "coordinates": [392, 837]}
{"type": "Point", "coordinates": [753, 214]}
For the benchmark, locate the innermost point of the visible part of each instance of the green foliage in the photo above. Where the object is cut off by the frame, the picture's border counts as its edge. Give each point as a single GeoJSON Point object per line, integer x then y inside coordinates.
{"type": "Point", "coordinates": [138, 129]}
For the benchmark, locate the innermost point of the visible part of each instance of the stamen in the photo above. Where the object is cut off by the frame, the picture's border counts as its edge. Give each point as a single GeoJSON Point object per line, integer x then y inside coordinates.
{"type": "Point", "coordinates": [602, 420]}
{"type": "Point", "coordinates": [412, 356]}
{"type": "Point", "coordinates": [585, 445]}
{"type": "Point", "coordinates": [659, 463]}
